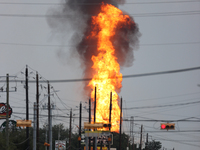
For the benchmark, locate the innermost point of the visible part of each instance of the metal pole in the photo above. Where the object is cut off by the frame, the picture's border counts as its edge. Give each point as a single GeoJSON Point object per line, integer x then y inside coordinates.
{"type": "Point", "coordinates": [80, 124]}
{"type": "Point", "coordinates": [34, 125]}
{"type": "Point", "coordinates": [27, 108]}
{"type": "Point", "coordinates": [86, 143]}
{"type": "Point", "coordinates": [7, 111]}
{"type": "Point", "coordinates": [120, 129]}
{"type": "Point", "coordinates": [37, 101]}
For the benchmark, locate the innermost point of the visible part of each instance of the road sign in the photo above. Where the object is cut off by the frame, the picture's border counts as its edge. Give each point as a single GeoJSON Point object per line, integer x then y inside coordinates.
{"type": "Point", "coordinates": [60, 145]}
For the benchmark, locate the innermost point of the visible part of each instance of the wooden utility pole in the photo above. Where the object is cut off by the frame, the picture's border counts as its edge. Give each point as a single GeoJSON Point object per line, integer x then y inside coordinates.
{"type": "Point", "coordinates": [37, 107]}
{"type": "Point", "coordinates": [89, 122]}
{"type": "Point", "coordinates": [147, 140]}
{"type": "Point", "coordinates": [110, 117]}
{"type": "Point", "coordinates": [80, 125]}
{"type": "Point", "coordinates": [7, 111]}
{"type": "Point", "coordinates": [140, 148]}
{"type": "Point", "coordinates": [120, 129]}
{"type": "Point", "coordinates": [27, 108]}
{"type": "Point", "coordinates": [95, 103]}
{"type": "Point", "coordinates": [70, 129]}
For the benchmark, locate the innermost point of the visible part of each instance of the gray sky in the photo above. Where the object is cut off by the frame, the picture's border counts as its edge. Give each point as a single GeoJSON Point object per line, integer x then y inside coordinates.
{"type": "Point", "coordinates": [170, 41]}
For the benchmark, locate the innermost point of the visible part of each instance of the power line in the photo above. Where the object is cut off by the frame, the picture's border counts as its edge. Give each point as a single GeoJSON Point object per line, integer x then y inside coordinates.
{"type": "Point", "coordinates": [125, 76]}
{"type": "Point", "coordinates": [128, 3]}
{"type": "Point", "coordinates": [148, 99]}
{"type": "Point", "coordinates": [134, 15]}
{"type": "Point", "coordinates": [46, 45]}
{"type": "Point", "coordinates": [169, 105]}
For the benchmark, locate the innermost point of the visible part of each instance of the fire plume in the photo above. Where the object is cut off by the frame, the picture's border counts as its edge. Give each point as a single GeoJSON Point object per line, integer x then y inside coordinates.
{"type": "Point", "coordinates": [106, 69]}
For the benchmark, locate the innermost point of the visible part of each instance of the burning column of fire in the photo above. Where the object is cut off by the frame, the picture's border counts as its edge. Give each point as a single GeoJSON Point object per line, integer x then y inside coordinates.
{"type": "Point", "coordinates": [107, 76]}
{"type": "Point", "coordinates": [105, 42]}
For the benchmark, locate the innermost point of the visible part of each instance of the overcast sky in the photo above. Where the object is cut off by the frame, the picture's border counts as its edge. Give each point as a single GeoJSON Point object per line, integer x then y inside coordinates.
{"type": "Point", "coordinates": [170, 40]}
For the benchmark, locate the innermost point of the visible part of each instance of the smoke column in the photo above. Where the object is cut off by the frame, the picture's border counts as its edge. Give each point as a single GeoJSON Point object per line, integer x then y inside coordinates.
{"type": "Point", "coordinates": [76, 16]}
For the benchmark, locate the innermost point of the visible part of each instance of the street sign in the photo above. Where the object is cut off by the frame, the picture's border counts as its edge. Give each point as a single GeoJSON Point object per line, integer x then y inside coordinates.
{"type": "Point", "coordinates": [60, 145]}
{"type": "Point", "coordinates": [3, 110]}
{"type": "Point", "coordinates": [104, 137]}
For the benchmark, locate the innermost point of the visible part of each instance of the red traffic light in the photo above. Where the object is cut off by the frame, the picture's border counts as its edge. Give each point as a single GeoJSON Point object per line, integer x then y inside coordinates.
{"type": "Point", "coordinates": [167, 126]}
{"type": "Point", "coordinates": [163, 126]}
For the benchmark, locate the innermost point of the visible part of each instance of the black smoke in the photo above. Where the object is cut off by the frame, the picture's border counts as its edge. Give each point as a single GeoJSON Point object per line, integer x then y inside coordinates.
{"type": "Point", "coordinates": [75, 16]}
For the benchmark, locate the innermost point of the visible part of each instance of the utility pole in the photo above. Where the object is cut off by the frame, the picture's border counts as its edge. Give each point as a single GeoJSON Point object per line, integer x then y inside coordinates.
{"type": "Point", "coordinates": [120, 129]}
{"type": "Point", "coordinates": [80, 125]}
{"type": "Point", "coordinates": [131, 131]}
{"type": "Point", "coordinates": [140, 148]}
{"type": "Point", "coordinates": [34, 125]}
{"type": "Point", "coordinates": [7, 111]}
{"type": "Point", "coordinates": [27, 108]}
{"type": "Point", "coordinates": [37, 102]}
{"type": "Point", "coordinates": [70, 129]}
{"type": "Point", "coordinates": [50, 117]}
{"type": "Point", "coordinates": [147, 140]}
{"type": "Point", "coordinates": [110, 117]}
{"type": "Point", "coordinates": [89, 122]}
{"type": "Point", "coordinates": [95, 103]}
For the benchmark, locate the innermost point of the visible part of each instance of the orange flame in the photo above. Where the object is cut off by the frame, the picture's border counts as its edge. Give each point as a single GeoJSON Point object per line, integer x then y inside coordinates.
{"type": "Point", "coordinates": [105, 65]}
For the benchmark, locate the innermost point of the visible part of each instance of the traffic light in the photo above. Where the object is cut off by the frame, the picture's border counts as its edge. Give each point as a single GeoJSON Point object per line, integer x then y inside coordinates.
{"type": "Point", "coordinates": [95, 125]}
{"type": "Point", "coordinates": [46, 144]}
{"type": "Point", "coordinates": [23, 123]}
{"type": "Point", "coordinates": [107, 125]}
{"type": "Point", "coordinates": [167, 126]}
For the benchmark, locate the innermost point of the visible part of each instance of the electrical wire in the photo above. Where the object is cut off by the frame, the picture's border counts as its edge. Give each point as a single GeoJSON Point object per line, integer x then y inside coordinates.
{"type": "Point", "coordinates": [127, 3]}
{"type": "Point", "coordinates": [43, 45]}
{"type": "Point", "coordinates": [197, 12]}
{"type": "Point", "coordinates": [125, 76]}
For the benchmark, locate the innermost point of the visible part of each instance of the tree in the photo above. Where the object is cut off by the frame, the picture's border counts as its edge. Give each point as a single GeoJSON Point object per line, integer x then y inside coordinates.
{"type": "Point", "coordinates": [124, 140]}
{"type": "Point", "coordinates": [153, 145]}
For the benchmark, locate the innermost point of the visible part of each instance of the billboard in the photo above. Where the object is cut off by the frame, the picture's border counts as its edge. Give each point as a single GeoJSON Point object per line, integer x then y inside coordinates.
{"type": "Point", "coordinates": [3, 109]}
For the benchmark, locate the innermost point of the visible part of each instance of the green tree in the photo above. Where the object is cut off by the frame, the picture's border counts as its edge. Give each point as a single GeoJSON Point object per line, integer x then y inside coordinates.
{"type": "Point", "coordinates": [153, 145]}
{"type": "Point", "coordinates": [124, 141]}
